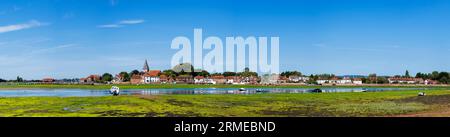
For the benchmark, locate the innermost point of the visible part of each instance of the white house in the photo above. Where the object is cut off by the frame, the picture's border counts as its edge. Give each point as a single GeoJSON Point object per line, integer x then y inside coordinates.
{"type": "Point", "coordinates": [345, 80]}
{"type": "Point", "coordinates": [298, 79]}
{"type": "Point", "coordinates": [357, 81]}
{"type": "Point", "coordinates": [203, 80]}
{"type": "Point", "coordinates": [152, 76]}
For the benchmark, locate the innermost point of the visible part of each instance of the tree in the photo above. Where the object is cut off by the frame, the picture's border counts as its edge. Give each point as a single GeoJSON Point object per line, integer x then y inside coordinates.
{"type": "Point", "coordinates": [203, 73]}
{"type": "Point", "coordinates": [19, 79]}
{"type": "Point", "coordinates": [226, 74]}
{"type": "Point", "coordinates": [444, 77]}
{"type": "Point", "coordinates": [247, 73]}
{"type": "Point", "coordinates": [170, 73]}
{"type": "Point", "coordinates": [291, 73]}
{"type": "Point", "coordinates": [407, 74]}
{"type": "Point", "coordinates": [382, 80]}
{"type": "Point", "coordinates": [435, 75]}
{"type": "Point", "coordinates": [106, 77]}
{"type": "Point", "coordinates": [184, 69]}
{"type": "Point", "coordinates": [134, 72]}
{"type": "Point", "coordinates": [125, 76]}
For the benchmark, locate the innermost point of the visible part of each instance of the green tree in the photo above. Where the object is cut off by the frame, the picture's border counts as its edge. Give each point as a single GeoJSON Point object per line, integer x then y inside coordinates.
{"type": "Point", "coordinates": [106, 77]}
{"type": "Point", "coordinates": [125, 76]}
{"type": "Point", "coordinates": [170, 73]}
{"type": "Point", "coordinates": [247, 73]}
{"type": "Point", "coordinates": [291, 73]}
{"type": "Point", "coordinates": [407, 74]}
{"type": "Point", "coordinates": [135, 72]}
{"type": "Point", "coordinates": [226, 74]}
{"type": "Point", "coordinates": [203, 73]}
{"type": "Point", "coordinates": [435, 75]}
{"type": "Point", "coordinates": [19, 79]}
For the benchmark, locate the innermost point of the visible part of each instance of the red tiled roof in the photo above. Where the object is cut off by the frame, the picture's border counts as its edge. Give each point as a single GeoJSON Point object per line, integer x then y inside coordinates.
{"type": "Point", "coordinates": [199, 77]}
{"type": "Point", "coordinates": [218, 77]}
{"type": "Point", "coordinates": [152, 73]}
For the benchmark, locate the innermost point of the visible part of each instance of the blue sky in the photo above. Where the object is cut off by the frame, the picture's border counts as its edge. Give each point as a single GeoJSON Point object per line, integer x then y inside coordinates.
{"type": "Point", "coordinates": [75, 38]}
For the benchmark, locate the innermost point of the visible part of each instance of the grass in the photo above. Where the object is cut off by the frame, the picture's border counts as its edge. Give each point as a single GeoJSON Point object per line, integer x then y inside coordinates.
{"type": "Point", "coordinates": [159, 86]}
{"type": "Point", "coordinates": [255, 105]}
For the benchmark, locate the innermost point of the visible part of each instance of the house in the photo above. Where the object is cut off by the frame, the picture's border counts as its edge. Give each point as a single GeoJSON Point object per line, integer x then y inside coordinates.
{"type": "Point", "coordinates": [184, 79]}
{"type": "Point", "coordinates": [219, 79]}
{"type": "Point", "coordinates": [118, 79]}
{"type": "Point", "coordinates": [401, 80]}
{"type": "Point", "coordinates": [298, 79]}
{"type": "Point", "coordinates": [203, 80]}
{"type": "Point", "coordinates": [269, 79]}
{"type": "Point", "coordinates": [48, 80]}
{"type": "Point", "coordinates": [233, 80]}
{"type": "Point", "coordinates": [137, 79]}
{"type": "Point", "coordinates": [430, 82]}
{"type": "Point", "coordinates": [165, 79]}
{"type": "Point", "coordinates": [151, 76]}
{"type": "Point", "coordinates": [335, 80]}
{"type": "Point", "coordinates": [90, 79]}
{"type": "Point", "coordinates": [357, 81]}
{"type": "Point", "coordinates": [322, 81]}
{"type": "Point", "coordinates": [282, 79]}
{"type": "Point", "coordinates": [250, 80]}
{"type": "Point", "coordinates": [345, 80]}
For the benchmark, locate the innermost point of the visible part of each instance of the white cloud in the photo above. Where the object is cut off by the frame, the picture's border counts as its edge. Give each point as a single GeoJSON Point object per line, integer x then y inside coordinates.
{"type": "Point", "coordinates": [131, 21]}
{"type": "Point", "coordinates": [16, 27]}
{"type": "Point", "coordinates": [45, 50]}
{"type": "Point", "coordinates": [122, 23]}
{"type": "Point", "coordinates": [110, 26]}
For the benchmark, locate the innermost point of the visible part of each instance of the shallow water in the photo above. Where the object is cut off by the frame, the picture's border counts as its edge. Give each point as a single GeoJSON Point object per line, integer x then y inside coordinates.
{"type": "Point", "coordinates": [88, 92]}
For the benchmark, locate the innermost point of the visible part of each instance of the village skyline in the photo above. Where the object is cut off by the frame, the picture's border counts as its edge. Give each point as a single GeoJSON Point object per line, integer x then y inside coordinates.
{"type": "Point", "coordinates": [66, 39]}
{"type": "Point", "coordinates": [185, 73]}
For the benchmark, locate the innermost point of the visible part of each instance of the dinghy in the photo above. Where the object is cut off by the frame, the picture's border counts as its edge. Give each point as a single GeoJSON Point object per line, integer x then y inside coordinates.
{"type": "Point", "coordinates": [114, 90]}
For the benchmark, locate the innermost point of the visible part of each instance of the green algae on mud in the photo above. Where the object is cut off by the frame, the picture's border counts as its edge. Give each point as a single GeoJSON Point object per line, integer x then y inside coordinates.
{"type": "Point", "coordinates": [255, 105]}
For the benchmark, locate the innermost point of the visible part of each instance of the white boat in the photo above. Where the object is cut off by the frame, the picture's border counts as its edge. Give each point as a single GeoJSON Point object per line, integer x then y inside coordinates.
{"type": "Point", "coordinates": [114, 90]}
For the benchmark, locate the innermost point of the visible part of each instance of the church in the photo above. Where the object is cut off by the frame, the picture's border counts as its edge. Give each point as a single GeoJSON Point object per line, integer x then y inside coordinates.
{"type": "Point", "coordinates": [147, 76]}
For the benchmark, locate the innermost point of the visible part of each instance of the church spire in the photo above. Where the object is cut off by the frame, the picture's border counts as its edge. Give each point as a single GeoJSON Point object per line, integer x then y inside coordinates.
{"type": "Point", "coordinates": [146, 68]}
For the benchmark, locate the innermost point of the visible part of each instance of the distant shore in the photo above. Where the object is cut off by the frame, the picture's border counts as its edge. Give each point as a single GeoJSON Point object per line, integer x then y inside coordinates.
{"type": "Point", "coordinates": [166, 86]}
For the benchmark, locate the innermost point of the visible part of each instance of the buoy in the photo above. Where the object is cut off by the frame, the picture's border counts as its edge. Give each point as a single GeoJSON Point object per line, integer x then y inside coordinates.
{"type": "Point", "coordinates": [114, 90]}
{"type": "Point", "coordinates": [422, 94]}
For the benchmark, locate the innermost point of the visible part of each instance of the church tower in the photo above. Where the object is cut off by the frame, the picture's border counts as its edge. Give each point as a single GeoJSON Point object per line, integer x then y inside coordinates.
{"type": "Point", "coordinates": [146, 68]}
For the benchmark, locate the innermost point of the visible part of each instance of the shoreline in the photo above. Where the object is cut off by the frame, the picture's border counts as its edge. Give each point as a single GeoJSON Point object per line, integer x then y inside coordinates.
{"type": "Point", "coordinates": [167, 86]}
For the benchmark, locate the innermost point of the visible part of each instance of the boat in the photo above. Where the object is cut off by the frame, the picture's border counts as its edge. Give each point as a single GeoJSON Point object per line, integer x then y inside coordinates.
{"type": "Point", "coordinates": [317, 90]}
{"type": "Point", "coordinates": [242, 89]}
{"type": "Point", "coordinates": [260, 90]}
{"type": "Point", "coordinates": [114, 90]}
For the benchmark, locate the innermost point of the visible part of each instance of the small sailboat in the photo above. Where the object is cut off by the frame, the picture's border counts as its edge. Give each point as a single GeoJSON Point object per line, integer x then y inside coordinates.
{"type": "Point", "coordinates": [114, 90]}
{"type": "Point", "coordinates": [422, 94]}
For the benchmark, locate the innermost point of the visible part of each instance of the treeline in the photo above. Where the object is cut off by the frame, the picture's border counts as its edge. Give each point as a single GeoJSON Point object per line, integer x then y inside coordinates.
{"type": "Point", "coordinates": [442, 77]}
